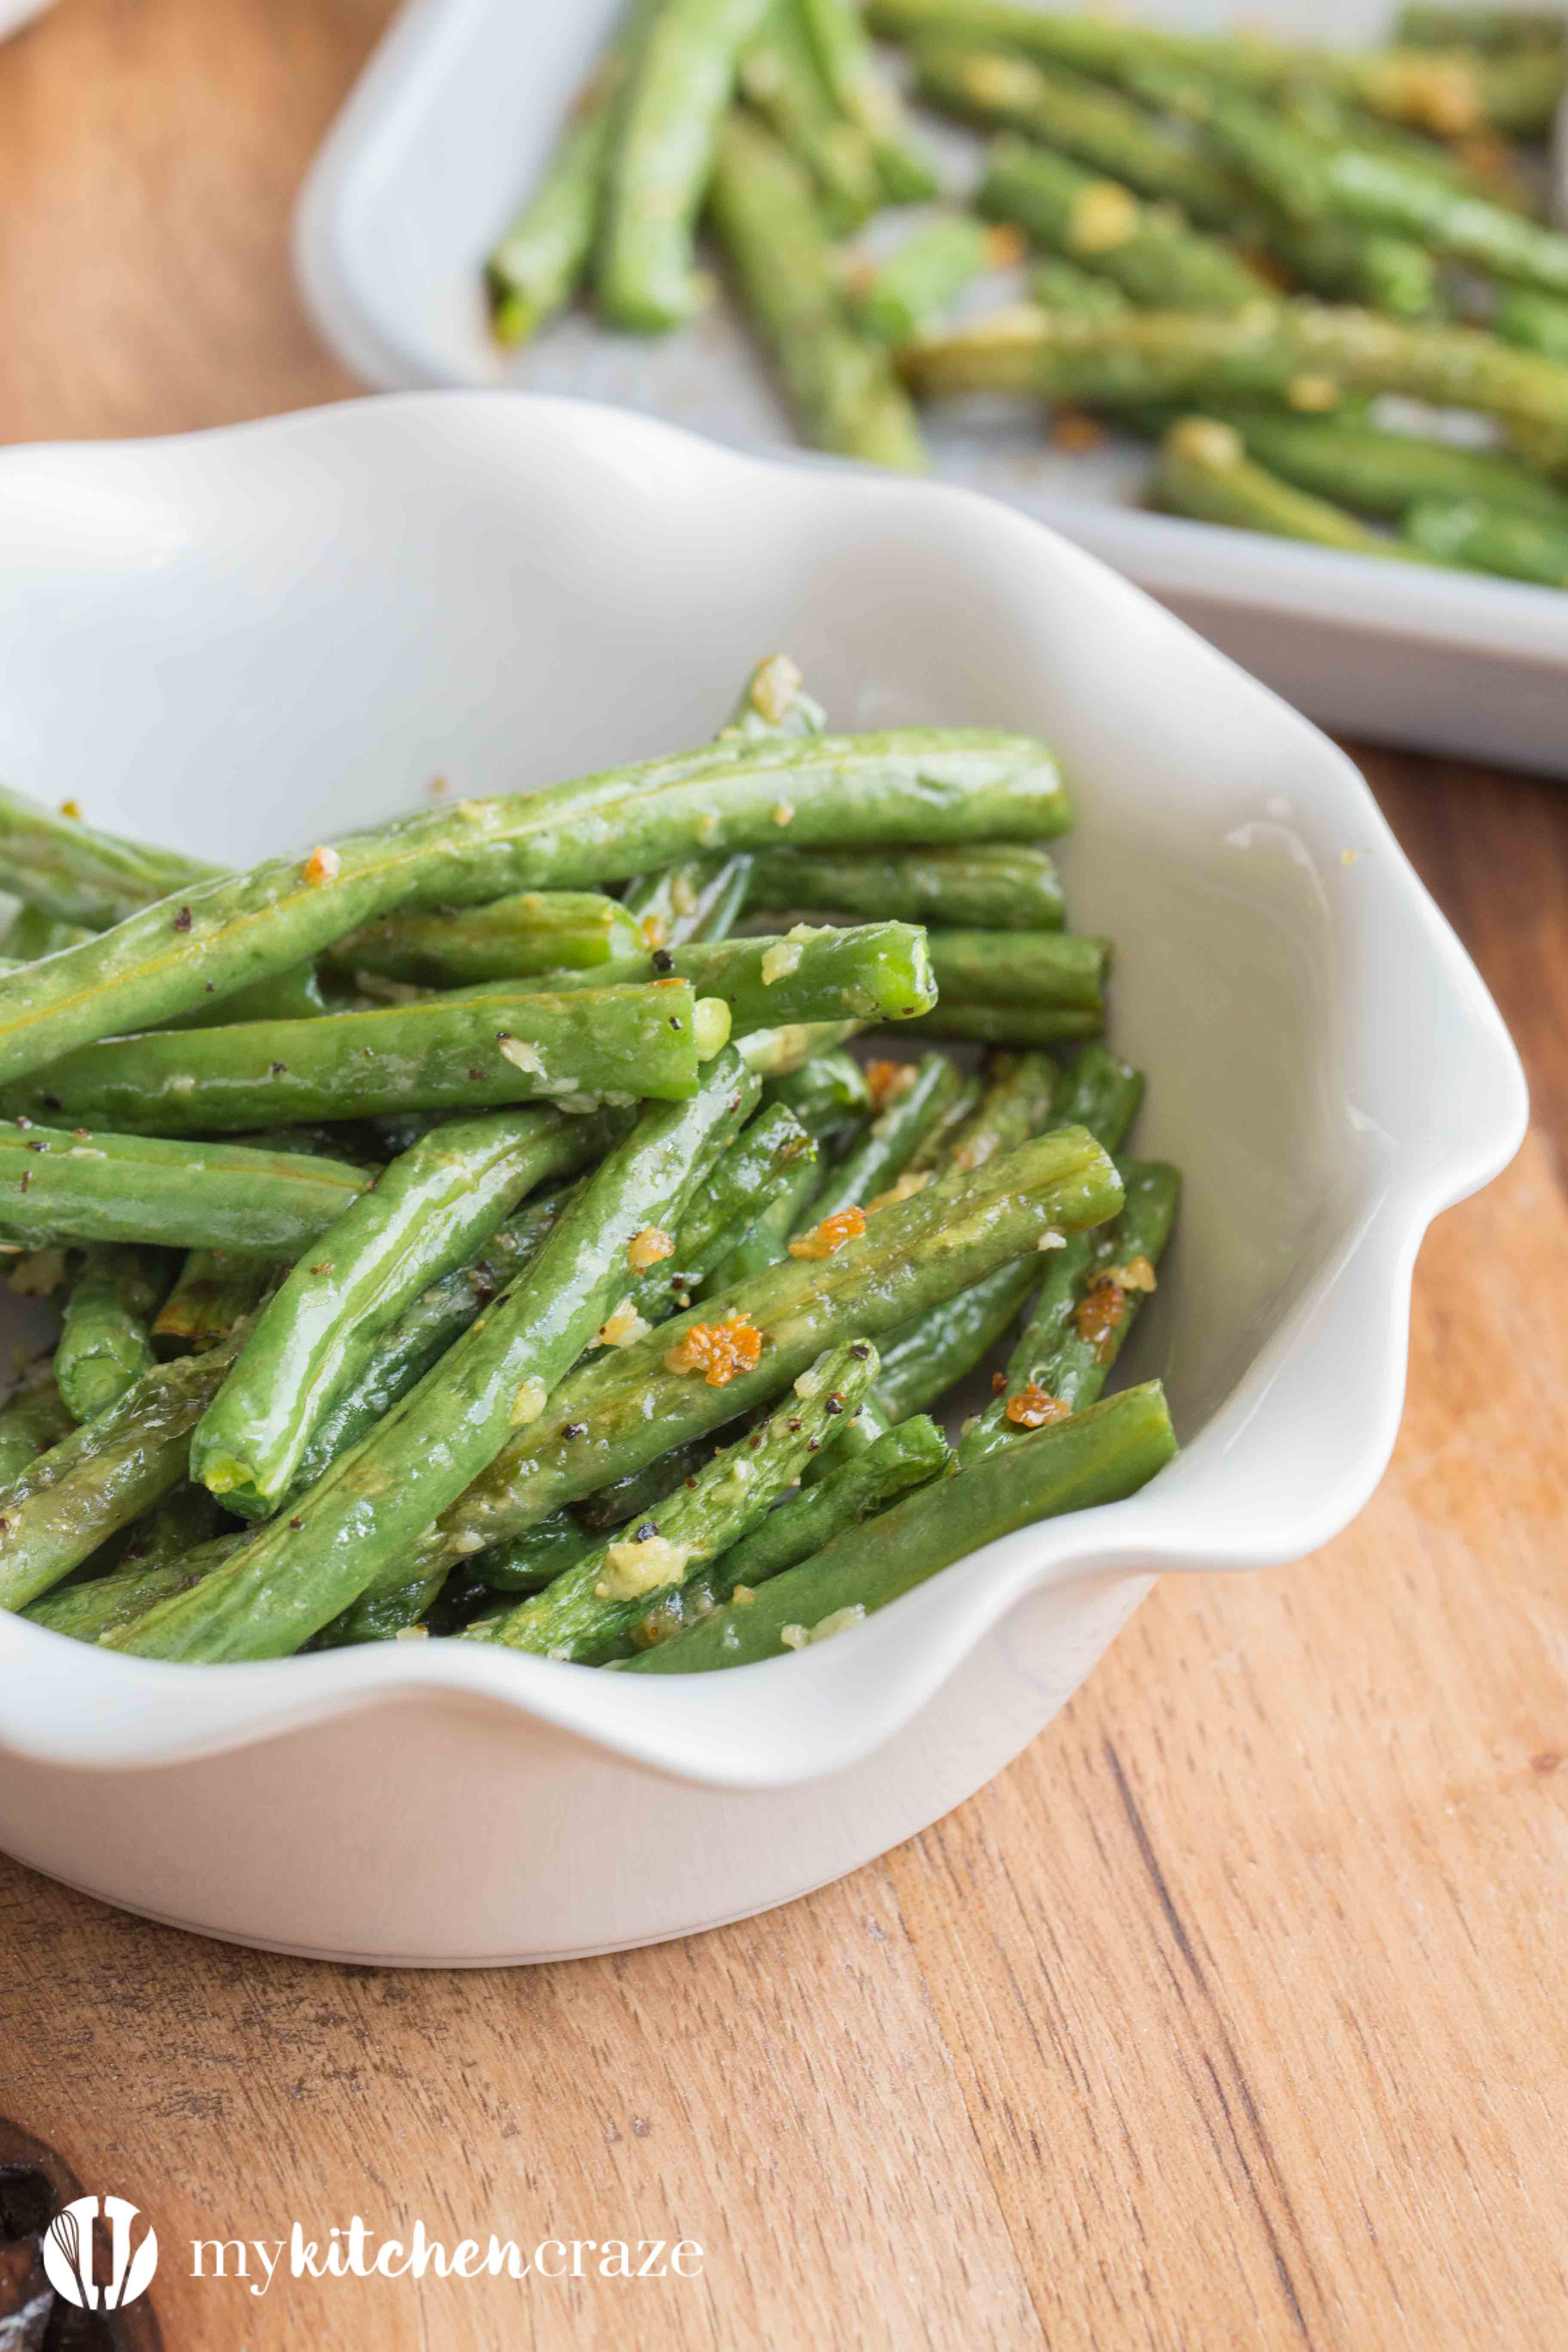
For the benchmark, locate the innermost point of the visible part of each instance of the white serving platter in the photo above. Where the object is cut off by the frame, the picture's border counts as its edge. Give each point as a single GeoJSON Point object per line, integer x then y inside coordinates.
{"type": "Point", "coordinates": [453, 120]}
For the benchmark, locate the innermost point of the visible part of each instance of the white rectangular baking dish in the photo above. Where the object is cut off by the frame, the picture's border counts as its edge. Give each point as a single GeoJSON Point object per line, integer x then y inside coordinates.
{"type": "Point", "coordinates": [441, 142]}
{"type": "Point", "coordinates": [455, 117]}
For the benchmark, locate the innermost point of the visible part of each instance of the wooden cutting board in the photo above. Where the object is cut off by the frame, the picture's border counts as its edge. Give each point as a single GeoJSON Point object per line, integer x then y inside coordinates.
{"type": "Point", "coordinates": [1231, 2016]}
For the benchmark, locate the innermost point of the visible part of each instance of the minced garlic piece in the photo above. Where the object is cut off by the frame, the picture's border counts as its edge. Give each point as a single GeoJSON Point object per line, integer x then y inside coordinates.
{"type": "Point", "coordinates": [887, 1081]}
{"type": "Point", "coordinates": [742, 1596]}
{"type": "Point", "coordinates": [82, 1151]}
{"type": "Point", "coordinates": [648, 1247]}
{"type": "Point", "coordinates": [623, 1326]}
{"type": "Point", "coordinates": [653, 928]}
{"type": "Point", "coordinates": [780, 960]}
{"type": "Point", "coordinates": [801, 1637]}
{"type": "Point", "coordinates": [522, 1056]}
{"type": "Point", "coordinates": [1205, 441]}
{"type": "Point", "coordinates": [718, 1349]}
{"type": "Point", "coordinates": [784, 813]}
{"type": "Point", "coordinates": [530, 1401]}
{"type": "Point", "coordinates": [412, 1633]}
{"type": "Point", "coordinates": [321, 865]}
{"type": "Point", "coordinates": [1313, 394]}
{"type": "Point", "coordinates": [1100, 1315]}
{"type": "Point", "coordinates": [845, 1225]}
{"type": "Point", "coordinates": [1032, 1408]}
{"type": "Point", "coordinates": [72, 808]}
{"type": "Point", "coordinates": [633, 1569]}
{"type": "Point", "coordinates": [776, 686]}
{"type": "Point", "coordinates": [1104, 214]}
{"type": "Point", "coordinates": [1050, 1239]}
{"type": "Point", "coordinates": [1136, 1275]}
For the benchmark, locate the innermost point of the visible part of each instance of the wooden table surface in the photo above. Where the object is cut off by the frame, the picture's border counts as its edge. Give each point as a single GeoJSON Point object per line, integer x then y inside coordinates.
{"type": "Point", "coordinates": [1231, 2015]}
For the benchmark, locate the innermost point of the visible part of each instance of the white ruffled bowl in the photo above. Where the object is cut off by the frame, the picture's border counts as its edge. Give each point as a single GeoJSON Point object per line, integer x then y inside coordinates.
{"type": "Point", "coordinates": [244, 639]}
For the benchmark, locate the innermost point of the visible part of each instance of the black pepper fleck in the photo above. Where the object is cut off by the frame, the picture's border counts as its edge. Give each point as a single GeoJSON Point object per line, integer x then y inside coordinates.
{"type": "Point", "coordinates": [23, 1120]}
{"type": "Point", "coordinates": [296, 1523]}
{"type": "Point", "coordinates": [474, 1077]}
{"type": "Point", "coordinates": [833, 1404]}
{"type": "Point", "coordinates": [183, 919]}
{"type": "Point", "coordinates": [663, 960]}
{"type": "Point", "coordinates": [795, 1429]}
{"type": "Point", "coordinates": [575, 1429]}
{"type": "Point", "coordinates": [648, 1527]}
{"type": "Point", "coordinates": [813, 1445]}
{"type": "Point", "coordinates": [53, 1102]}
{"type": "Point", "coordinates": [278, 1069]}
{"type": "Point", "coordinates": [859, 1350]}
{"type": "Point", "coordinates": [675, 1021]}
{"type": "Point", "coordinates": [38, 1146]}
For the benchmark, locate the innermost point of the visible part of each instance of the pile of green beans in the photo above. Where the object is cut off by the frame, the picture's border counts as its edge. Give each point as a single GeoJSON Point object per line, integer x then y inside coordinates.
{"type": "Point", "coordinates": [1220, 228]}
{"type": "Point", "coordinates": [421, 1317]}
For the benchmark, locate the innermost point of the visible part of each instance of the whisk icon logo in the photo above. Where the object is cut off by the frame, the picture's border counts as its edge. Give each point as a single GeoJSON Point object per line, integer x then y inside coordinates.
{"type": "Point", "coordinates": [67, 2254]}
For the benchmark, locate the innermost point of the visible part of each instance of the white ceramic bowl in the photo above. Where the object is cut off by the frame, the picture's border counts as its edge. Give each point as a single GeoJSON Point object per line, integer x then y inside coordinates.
{"type": "Point", "coordinates": [451, 125]}
{"type": "Point", "coordinates": [243, 639]}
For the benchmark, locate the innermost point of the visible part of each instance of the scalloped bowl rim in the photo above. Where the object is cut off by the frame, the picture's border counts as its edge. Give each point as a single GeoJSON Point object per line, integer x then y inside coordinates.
{"type": "Point", "coordinates": [789, 1721]}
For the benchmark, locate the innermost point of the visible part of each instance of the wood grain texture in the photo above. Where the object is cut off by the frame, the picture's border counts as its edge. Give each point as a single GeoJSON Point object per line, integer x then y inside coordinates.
{"type": "Point", "coordinates": [1229, 2016]}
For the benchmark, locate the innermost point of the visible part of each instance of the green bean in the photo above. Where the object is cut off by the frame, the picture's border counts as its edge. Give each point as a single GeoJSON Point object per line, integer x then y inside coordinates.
{"type": "Point", "coordinates": [894, 299]}
{"type": "Point", "coordinates": [1300, 352]}
{"type": "Point", "coordinates": [590, 1611]}
{"type": "Point", "coordinates": [842, 387]}
{"type": "Point", "coordinates": [874, 971]}
{"type": "Point", "coordinates": [291, 995]}
{"type": "Point", "coordinates": [946, 1344]}
{"type": "Point", "coordinates": [105, 1343]}
{"type": "Point", "coordinates": [1204, 472]}
{"type": "Point", "coordinates": [1387, 473]}
{"type": "Point", "coordinates": [467, 1050]}
{"type": "Point", "coordinates": [822, 1094]}
{"type": "Point", "coordinates": [616, 1414]}
{"type": "Point", "coordinates": [893, 1463]}
{"type": "Point", "coordinates": [779, 1053]}
{"type": "Point", "coordinates": [1346, 263]}
{"type": "Point", "coordinates": [537, 266]}
{"type": "Point", "coordinates": [509, 938]}
{"type": "Point", "coordinates": [868, 98]}
{"type": "Point", "coordinates": [760, 1167]}
{"type": "Point", "coordinates": [382, 1370]}
{"type": "Point", "coordinates": [1099, 1456]}
{"type": "Point", "coordinates": [301, 1571]}
{"type": "Point", "coordinates": [1449, 96]}
{"type": "Point", "coordinates": [1055, 980]}
{"type": "Point", "coordinates": [929, 784]}
{"type": "Point", "coordinates": [934, 1150]}
{"type": "Point", "coordinates": [88, 1612]}
{"type": "Point", "coordinates": [780, 78]}
{"type": "Point", "coordinates": [531, 1560]}
{"type": "Point", "coordinates": [68, 870]}
{"type": "Point", "coordinates": [1080, 119]}
{"type": "Point", "coordinates": [1082, 1314]}
{"type": "Point", "coordinates": [1530, 320]}
{"type": "Point", "coordinates": [106, 1474]}
{"type": "Point", "coordinates": [993, 886]}
{"type": "Point", "coordinates": [87, 1187]}
{"type": "Point", "coordinates": [660, 159]}
{"type": "Point", "coordinates": [767, 1241]}
{"type": "Point", "coordinates": [1145, 250]}
{"type": "Point", "coordinates": [1016, 1104]}
{"type": "Point", "coordinates": [215, 1290]}
{"type": "Point", "coordinates": [1513, 546]}
{"type": "Point", "coordinates": [1058, 285]}
{"type": "Point", "coordinates": [880, 1158]}
{"type": "Point", "coordinates": [1102, 1093]}
{"type": "Point", "coordinates": [165, 1549]}
{"type": "Point", "coordinates": [1311, 180]}
{"type": "Point", "coordinates": [33, 1419]}
{"type": "Point", "coordinates": [428, 1213]}
{"type": "Point", "coordinates": [1495, 29]}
